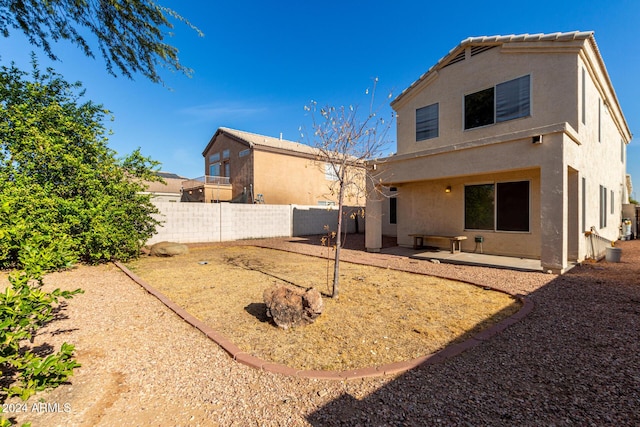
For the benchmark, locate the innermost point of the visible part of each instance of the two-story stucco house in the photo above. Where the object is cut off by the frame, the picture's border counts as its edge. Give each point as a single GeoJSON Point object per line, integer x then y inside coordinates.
{"type": "Point", "coordinates": [247, 167]}
{"type": "Point", "coordinates": [518, 141]}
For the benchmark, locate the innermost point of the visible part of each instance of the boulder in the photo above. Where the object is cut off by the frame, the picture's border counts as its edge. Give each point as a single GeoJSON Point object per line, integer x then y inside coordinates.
{"type": "Point", "coordinates": [168, 249]}
{"type": "Point", "coordinates": [290, 306]}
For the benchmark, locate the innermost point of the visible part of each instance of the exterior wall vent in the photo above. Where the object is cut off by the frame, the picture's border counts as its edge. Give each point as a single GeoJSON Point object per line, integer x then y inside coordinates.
{"type": "Point", "coordinates": [476, 50]}
{"type": "Point", "coordinates": [459, 57]}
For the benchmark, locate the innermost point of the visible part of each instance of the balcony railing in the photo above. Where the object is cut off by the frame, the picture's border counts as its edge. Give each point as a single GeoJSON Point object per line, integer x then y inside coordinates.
{"type": "Point", "coordinates": [206, 180]}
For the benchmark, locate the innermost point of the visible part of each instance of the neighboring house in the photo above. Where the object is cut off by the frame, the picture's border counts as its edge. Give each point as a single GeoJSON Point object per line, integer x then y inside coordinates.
{"type": "Point", "coordinates": [245, 167]}
{"type": "Point", "coordinates": [517, 140]}
{"type": "Point", "coordinates": [168, 191]}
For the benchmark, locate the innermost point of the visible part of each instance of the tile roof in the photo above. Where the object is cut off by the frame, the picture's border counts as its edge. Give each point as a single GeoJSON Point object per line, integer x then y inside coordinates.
{"type": "Point", "coordinates": [261, 141]}
{"type": "Point", "coordinates": [166, 175]}
{"type": "Point", "coordinates": [573, 35]}
{"type": "Point", "coordinates": [498, 40]}
{"type": "Point", "coordinates": [170, 185]}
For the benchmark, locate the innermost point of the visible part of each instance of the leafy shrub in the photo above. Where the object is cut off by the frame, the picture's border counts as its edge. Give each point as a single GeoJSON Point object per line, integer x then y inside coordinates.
{"type": "Point", "coordinates": [24, 308]}
{"type": "Point", "coordinates": [64, 197]}
{"type": "Point", "coordinates": [61, 187]}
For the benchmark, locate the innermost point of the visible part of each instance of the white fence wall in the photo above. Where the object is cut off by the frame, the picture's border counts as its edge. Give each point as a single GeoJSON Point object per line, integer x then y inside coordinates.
{"type": "Point", "coordinates": [243, 221]}
{"type": "Point", "coordinates": [218, 222]}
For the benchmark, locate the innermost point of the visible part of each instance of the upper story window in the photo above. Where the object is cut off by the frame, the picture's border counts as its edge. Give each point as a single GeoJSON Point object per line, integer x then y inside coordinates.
{"type": "Point", "coordinates": [330, 172]}
{"type": "Point", "coordinates": [506, 101]}
{"type": "Point", "coordinates": [225, 154]}
{"type": "Point", "coordinates": [244, 153]}
{"type": "Point", "coordinates": [427, 122]}
{"type": "Point", "coordinates": [214, 158]}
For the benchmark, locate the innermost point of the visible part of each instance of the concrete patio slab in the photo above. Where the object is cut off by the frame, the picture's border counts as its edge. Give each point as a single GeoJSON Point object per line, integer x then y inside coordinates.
{"type": "Point", "coordinates": [467, 258]}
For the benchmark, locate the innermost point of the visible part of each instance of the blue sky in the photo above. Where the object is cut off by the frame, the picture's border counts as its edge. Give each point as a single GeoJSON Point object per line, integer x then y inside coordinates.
{"type": "Point", "coordinates": [260, 63]}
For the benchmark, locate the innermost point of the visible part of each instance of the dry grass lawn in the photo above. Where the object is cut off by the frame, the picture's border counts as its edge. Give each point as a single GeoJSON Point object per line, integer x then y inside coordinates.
{"type": "Point", "coordinates": [382, 315]}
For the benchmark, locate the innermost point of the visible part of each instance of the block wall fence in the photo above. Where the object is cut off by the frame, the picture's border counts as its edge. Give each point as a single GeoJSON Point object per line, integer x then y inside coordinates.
{"type": "Point", "coordinates": [220, 222]}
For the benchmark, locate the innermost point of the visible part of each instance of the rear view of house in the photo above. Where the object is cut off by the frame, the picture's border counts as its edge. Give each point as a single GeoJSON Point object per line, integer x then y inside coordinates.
{"type": "Point", "coordinates": [515, 141]}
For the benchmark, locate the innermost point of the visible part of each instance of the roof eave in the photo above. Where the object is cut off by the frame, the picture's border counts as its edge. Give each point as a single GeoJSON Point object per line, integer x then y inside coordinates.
{"type": "Point", "coordinates": [228, 134]}
{"type": "Point", "coordinates": [487, 41]}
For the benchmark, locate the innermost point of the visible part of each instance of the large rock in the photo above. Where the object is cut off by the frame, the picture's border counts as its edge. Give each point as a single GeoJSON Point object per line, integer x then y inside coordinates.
{"type": "Point", "coordinates": [168, 249]}
{"type": "Point", "coordinates": [290, 306]}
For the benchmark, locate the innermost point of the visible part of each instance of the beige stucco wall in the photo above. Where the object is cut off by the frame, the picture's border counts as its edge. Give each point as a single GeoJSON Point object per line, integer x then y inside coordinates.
{"type": "Point", "coordinates": [288, 179]}
{"type": "Point", "coordinates": [570, 151]}
{"type": "Point", "coordinates": [241, 168]}
{"type": "Point", "coordinates": [427, 208]}
{"type": "Point", "coordinates": [551, 74]}
{"type": "Point", "coordinates": [284, 179]}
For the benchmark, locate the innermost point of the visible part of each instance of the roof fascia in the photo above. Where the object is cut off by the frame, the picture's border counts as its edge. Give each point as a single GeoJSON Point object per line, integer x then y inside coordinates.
{"type": "Point", "coordinates": [410, 93]}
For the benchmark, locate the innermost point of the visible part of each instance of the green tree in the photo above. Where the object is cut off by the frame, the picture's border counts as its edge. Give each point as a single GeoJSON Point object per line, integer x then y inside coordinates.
{"type": "Point", "coordinates": [130, 34]}
{"type": "Point", "coordinates": [62, 190]}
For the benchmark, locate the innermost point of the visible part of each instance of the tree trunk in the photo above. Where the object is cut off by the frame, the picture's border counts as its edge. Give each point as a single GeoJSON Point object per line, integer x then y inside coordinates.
{"type": "Point", "coordinates": [336, 264]}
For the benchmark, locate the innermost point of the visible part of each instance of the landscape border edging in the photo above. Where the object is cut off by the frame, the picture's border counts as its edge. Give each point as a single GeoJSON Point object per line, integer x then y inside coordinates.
{"type": "Point", "coordinates": [247, 359]}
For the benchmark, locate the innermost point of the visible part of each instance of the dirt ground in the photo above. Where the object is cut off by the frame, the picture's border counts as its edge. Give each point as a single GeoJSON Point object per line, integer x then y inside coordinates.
{"type": "Point", "coordinates": [572, 361]}
{"type": "Point", "coordinates": [381, 316]}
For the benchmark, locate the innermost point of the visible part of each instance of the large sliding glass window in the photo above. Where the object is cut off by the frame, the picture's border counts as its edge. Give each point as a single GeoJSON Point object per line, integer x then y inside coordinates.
{"type": "Point", "coordinates": [512, 208]}
{"type": "Point", "coordinates": [478, 207]}
{"type": "Point", "coordinates": [503, 206]}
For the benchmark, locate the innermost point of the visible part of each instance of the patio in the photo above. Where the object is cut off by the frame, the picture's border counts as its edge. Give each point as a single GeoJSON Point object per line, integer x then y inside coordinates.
{"type": "Point", "coordinates": [466, 258]}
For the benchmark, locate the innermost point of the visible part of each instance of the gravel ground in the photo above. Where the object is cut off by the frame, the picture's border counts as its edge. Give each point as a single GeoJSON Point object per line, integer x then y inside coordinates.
{"type": "Point", "coordinates": [575, 360]}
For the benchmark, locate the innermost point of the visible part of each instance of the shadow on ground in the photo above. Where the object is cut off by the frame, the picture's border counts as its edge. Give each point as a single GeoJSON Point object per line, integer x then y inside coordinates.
{"type": "Point", "coordinates": [575, 360]}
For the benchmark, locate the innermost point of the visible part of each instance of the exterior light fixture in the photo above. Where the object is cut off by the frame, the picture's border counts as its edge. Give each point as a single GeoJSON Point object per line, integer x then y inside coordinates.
{"type": "Point", "coordinates": [448, 189]}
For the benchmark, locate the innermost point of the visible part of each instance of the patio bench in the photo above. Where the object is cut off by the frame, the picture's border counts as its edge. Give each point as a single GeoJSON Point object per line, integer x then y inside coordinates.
{"type": "Point", "coordinates": [456, 241]}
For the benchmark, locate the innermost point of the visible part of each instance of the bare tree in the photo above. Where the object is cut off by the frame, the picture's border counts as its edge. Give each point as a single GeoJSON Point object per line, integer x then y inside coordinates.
{"type": "Point", "coordinates": [345, 139]}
